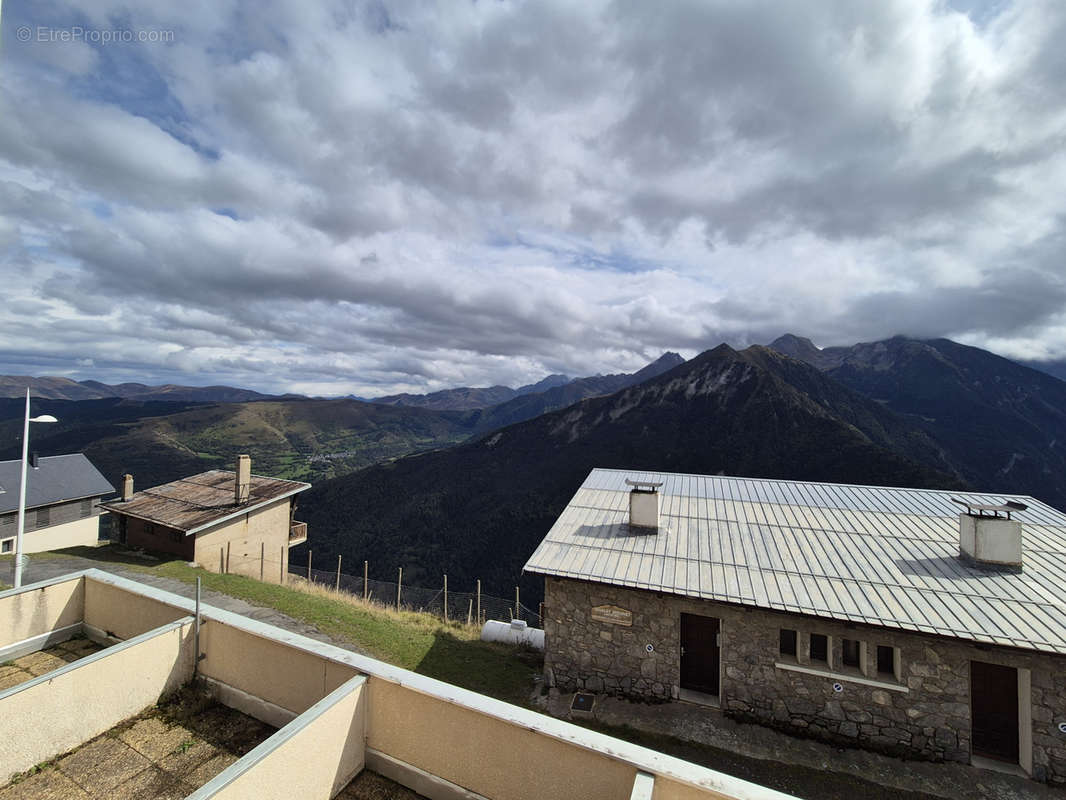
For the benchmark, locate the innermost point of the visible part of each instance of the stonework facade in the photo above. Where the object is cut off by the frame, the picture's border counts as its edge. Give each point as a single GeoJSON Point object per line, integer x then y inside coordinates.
{"type": "Point", "coordinates": [921, 707]}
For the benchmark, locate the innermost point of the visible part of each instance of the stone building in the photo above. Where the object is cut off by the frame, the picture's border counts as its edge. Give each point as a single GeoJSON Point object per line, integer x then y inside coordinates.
{"type": "Point", "coordinates": [924, 623]}
{"type": "Point", "coordinates": [230, 522]}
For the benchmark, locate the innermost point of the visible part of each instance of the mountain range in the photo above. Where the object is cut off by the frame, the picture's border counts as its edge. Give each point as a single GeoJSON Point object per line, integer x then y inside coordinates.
{"type": "Point", "coordinates": [514, 405]}
{"type": "Point", "coordinates": [479, 509]}
{"type": "Point", "coordinates": [471, 490]}
{"type": "Point", "coordinates": [55, 388]}
{"type": "Point", "coordinates": [999, 426]}
{"type": "Point", "coordinates": [162, 433]}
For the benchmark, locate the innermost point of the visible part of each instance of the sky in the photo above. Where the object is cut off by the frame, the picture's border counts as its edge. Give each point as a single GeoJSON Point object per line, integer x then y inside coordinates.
{"type": "Point", "coordinates": [367, 198]}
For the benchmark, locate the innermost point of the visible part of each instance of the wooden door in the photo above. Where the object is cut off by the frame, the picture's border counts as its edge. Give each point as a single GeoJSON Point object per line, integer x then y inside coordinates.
{"type": "Point", "coordinates": [700, 657]}
{"type": "Point", "coordinates": [994, 709]}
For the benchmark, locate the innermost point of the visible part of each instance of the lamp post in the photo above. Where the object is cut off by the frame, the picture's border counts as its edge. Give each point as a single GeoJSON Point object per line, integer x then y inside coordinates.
{"type": "Point", "coordinates": [22, 485]}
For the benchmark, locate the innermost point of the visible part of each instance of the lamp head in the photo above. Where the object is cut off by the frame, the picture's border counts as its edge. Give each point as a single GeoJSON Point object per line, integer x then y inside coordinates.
{"type": "Point", "coordinates": [44, 418]}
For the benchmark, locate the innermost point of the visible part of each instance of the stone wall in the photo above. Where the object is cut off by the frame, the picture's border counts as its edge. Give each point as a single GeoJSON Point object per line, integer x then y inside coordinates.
{"type": "Point", "coordinates": [924, 712]}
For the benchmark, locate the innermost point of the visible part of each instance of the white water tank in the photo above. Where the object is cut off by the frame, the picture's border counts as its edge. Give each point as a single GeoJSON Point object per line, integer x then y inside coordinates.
{"type": "Point", "coordinates": [516, 632]}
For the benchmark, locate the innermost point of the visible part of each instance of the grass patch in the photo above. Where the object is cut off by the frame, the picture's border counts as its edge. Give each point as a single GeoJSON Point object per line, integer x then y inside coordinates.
{"type": "Point", "coordinates": [416, 641]}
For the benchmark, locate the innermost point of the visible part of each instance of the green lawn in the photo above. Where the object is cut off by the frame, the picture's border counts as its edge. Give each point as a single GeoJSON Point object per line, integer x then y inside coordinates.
{"type": "Point", "coordinates": [415, 641]}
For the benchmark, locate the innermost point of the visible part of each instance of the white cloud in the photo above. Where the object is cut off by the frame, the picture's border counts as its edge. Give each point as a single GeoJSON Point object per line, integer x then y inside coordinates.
{"type": "Point", "coordinates": [307, 196]}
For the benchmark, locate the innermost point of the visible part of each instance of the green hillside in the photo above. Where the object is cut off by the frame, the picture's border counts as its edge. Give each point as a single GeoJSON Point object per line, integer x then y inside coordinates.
{"type": "Point", "coordinates": [298, 439]}
{"type": "Point", "coordinates": [478, 510]}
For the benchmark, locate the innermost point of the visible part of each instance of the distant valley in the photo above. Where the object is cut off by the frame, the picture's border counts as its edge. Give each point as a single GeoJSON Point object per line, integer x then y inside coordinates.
{"type": "Point", "coordinates": [161, 433]}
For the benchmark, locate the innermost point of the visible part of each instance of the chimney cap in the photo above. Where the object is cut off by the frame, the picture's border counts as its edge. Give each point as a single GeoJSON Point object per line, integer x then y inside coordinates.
{"type": "Point", "coordinates": [991, 509]}
{"type": "Point", "coordinates": [644, 486]}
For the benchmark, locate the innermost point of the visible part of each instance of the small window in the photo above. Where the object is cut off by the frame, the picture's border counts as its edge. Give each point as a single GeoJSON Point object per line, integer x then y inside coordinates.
{"type": "Point", "coordinates": [788, 643]}
{"type": "Point", "coordinates": [7, 545]}
{"type": "Point", "coordinates": [886, 661]}
{"type": "Point", "coordinates": [149, 528]}
{"type": "Point", "coordinates": [819, 648]}
{"type": "Point", "coordinates": [850, 651]}
{"type": "Point", "coordinates": [86, 507]}
{"type": "Point", "coordinates": [177, 536]}
{"type": "Point", "coordinates": [44, 517]}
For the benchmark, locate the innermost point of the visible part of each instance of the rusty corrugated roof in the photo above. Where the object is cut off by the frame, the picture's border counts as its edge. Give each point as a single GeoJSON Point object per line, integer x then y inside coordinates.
{"type": "Point", "coordinates": [194, 503]}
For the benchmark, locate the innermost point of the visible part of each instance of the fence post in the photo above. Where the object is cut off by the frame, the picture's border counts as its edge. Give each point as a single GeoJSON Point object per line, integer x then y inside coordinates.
{"type": "Point", "coordinates": [283, 569]}
{"type": "Point", "coordinates": [517, 607]}
{"type": "Point", "coordinates": [365, 596]}
{"type": "Point", "coordinates": [227, 556]}
{"type": "Point", "coordinates": [399, 583]}
{"type": "Point", "coordinates": [479, 601]}
{"type": "Point", "coordinates": [470, 611]}
{"type": "Point", "coordinates": [338, 573]}
{"type": "Point", "coordinates": [445, 599]}
{"type": "Point", "coordinates": [262, 559]}
{"type": "Point", "coordinates": [308, 566]}
{"type": "Point", "coordinates": [221, 561]}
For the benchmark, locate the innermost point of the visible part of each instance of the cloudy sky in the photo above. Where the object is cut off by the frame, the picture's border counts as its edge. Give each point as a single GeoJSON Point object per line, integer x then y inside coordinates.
{"type": "Point", "coordinates": [337, 197]}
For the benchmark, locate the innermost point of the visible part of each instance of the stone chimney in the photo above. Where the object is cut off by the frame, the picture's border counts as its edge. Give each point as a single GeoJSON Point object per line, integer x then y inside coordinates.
{"type": "Point", "coordinates": [989, 537]}
{"type": "Point", "coordinates": [644, 506]}
{"type": "Point", "coordinates": [127, 487]}
{"type": "Point", "coordinates": [243, 482]}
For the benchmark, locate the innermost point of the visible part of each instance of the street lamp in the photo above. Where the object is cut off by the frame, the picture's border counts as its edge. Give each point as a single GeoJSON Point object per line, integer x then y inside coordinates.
{"type": "Point", "coordinates": [22, 485]}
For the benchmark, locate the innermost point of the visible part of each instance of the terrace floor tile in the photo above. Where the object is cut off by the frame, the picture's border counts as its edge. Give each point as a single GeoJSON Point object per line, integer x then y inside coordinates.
{"type": "Point", "coordinates": [102, 765]}
{"type": "Point", "coordinates": [49, 784]}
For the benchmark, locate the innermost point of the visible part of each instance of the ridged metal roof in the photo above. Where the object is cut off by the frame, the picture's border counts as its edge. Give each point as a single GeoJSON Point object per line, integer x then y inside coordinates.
{"type": "Point", "coordinates": [878, 555]}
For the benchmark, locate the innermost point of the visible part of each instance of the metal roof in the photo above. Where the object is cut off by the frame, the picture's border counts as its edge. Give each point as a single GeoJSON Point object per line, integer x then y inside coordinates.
{"type": "Point", "coordinates": [56, 479]}
{"type": "Point", "coordinates": [877, 555]}
{"type": "Point", "coordinates": [192, 504]}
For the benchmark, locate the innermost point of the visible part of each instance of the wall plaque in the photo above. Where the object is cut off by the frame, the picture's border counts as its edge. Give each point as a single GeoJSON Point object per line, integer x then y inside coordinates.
{"type": "Point", "coordinates": [612, 614]}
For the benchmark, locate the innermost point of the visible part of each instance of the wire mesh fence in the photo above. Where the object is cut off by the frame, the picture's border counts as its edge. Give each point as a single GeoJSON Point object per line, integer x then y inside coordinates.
{"type": "Point", "coordinates": [466, 607]}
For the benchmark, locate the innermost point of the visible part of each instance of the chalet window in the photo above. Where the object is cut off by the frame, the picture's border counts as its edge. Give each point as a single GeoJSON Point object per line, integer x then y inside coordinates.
{"type": "Point", "coordinates": [149, 529]}
{"type": "Point", "coordinates": [850, 653]}
{"type": "Point", "coordinates": [177, 536]}
{"type": "Point", "coordinates": [44, 517]}
{"type": "Point", "coordinates": [787, 646]}
{"type": "Point", "coordinates": [7, 545]}
{"type": "Point", "coordinates": [86, 507]}
{"type": "Point", "coordinates": [887, 666]}
{"type": "Point", "coordinates": [819, 648]}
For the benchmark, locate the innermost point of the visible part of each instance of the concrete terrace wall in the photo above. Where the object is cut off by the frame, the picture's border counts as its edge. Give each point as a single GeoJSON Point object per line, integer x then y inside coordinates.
{"type": "Point", "coordinates": [110, 614]}
{"type": "Point", "coordinates": [49, 715]}
{"type": "Point", "coordinates": [46, 608]}
{"type": "Point", "coordinates": [420, 730]}
{"type": "Point", "coordinates": [268, 669]}
{"type": "Point", "coordinates": [315, 755]}
{"type": "Point", "coordinates": [926, 713]}
{"type": "Point", "coordinates": [487, 725]}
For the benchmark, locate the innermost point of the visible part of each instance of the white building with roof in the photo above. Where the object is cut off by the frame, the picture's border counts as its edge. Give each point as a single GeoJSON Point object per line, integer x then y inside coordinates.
{"type": "Point", "coordinates": [62, 503]}
{"type": "Point", "coordinates": [897, 619]}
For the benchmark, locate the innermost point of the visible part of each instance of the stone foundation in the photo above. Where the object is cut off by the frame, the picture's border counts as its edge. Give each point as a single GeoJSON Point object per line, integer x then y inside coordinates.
{"type": "Point", "coordinates": [924, 713]}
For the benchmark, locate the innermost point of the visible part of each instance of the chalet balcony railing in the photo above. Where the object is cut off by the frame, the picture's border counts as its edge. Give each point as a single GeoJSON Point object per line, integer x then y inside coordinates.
{"type": "Point", "coordinates": [297, 533]}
